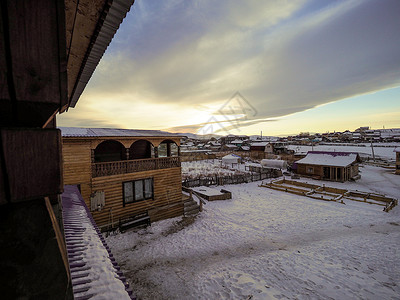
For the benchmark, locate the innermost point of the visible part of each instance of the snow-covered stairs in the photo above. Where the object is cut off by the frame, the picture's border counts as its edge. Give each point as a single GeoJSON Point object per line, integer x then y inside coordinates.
{"type": "Point", "coordinates": [190, 207]}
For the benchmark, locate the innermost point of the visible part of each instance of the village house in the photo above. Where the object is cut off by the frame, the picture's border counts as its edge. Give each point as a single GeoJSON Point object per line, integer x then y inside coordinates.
{"type": "Point", "coordinates": [257, 150]}
{"type": "Point", "coordinates": [124, 173]}
{"type": "Point", "coordinates": [49, 51]}
{"type": "Point", "coordinates": [229, 147]}
{"type": "Point", "coordinates": [334, 166]}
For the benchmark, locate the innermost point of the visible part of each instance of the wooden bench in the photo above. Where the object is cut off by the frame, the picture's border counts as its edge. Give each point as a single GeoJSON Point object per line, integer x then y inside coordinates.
{"type": "Point", "coordinates": [134, 221]}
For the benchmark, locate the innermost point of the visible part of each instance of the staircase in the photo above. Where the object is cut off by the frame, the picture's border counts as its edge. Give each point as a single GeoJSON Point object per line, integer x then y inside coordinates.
{"type": "Point", "coordinates": [190, 207]}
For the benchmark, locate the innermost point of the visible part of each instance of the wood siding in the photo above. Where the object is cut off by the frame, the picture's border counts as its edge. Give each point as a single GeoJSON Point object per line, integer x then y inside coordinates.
{"type": "Point", "coordinates": [167, 201]}
{"type": "Point", "coordinates": [167, 191]}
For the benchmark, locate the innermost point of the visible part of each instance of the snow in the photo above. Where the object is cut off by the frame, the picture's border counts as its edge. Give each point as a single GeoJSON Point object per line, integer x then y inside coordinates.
{"type": "Point", "coordinates": [208, 191]}
{"type": "Point", "coordinates": [373, 179]}
{"type": "Point", "coordinates": [260, 144]}
{"type": "Point", "coordinates": [384, 152]}
{"type": "Point", "coordinates": [274, 163]}
{"type": "Point", "coordinates": [237, 142]}
{"type": "Point", "coordinates": [99, 274]}
{"type": "Point", "coordinates": [206, 168]}
{"type": "Point", "coordinates": [328, 160]}
{"type": "Point", "coordinates": [115, 132]}
{"type": "Point", "coordinates": [267, 244]}
{"type": "Point", "coordinates": [231, 159]}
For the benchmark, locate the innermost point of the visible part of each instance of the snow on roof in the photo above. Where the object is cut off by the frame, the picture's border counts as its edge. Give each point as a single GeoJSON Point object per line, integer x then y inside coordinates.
{"type": "Point", "coordinates": [396, 149]}
{"type": "Point", "coordinates": [251, 164]}
{"type": "Point", "coordinates": [260, 144]}
{"type": "Point", "coordinates": [231, 159]}
{"type": "Point", "coordinates": [230, 146]}
{"type": "Point", "coordinates": [94, 271]}
{"type": "Point", "coordinates": [336, 159]}
{"type": "Point", "coordinates": [207, 191]}
{"type": "Point", "coordinates": [237, 142]}
{"type": "Point", "coordinates": [232, 156]}
{"type": "Point", "coordinates": [94, 132]}
{"type": "Point", "coordinates": [246, 148]}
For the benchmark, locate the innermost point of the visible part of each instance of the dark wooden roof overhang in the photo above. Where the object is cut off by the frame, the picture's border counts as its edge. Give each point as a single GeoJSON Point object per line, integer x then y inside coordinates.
{"type": "Point", "coordinates": [49, 49]}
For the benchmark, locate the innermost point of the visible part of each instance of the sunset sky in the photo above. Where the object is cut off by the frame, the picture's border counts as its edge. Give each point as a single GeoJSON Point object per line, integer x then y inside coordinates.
{"type": "Point", "coordinates": [244, 66]}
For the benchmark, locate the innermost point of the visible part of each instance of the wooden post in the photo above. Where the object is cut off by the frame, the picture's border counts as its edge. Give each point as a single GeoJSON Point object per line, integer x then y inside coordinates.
{"type": "Point", "coordinates": [168, 149]}
{"type": "Point", "coordinates": [156, 152]}
{"type": "Point", "coordinates": [127, 153]}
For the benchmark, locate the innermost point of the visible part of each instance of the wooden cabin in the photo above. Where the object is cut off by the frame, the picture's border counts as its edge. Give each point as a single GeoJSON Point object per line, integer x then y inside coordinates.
{"type": "Point", "coordinates": [257, 150]}
{"type": "Point", "coordinates": [124, 173]}
{"type": "Point", "coordinates": [397, 150]}
{"type": "Point", "coordinates": [334, 166]}
{"type": "Point", "coordinates": [49, 50]}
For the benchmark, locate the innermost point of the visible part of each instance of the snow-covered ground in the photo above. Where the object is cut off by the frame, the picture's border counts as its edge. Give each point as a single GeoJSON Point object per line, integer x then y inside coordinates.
{"type": "Point", "coordinates": [210, 167]}
{"type": "Point", "coordinates": [266, 244]}
{"type": "Point", "coordinates": [381, 152]}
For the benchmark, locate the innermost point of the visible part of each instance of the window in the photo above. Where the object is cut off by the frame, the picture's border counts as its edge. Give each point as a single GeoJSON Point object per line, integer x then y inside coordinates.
{"type": "Point", "coordinates": [138, 190]}
{"type": "Point", "coordinates": [310, 170]}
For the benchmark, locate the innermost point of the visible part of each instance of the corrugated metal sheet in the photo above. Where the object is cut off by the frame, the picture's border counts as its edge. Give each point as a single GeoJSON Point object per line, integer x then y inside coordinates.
{"type": "Point", "coordinates": [335, 159]}
{"type": "Point", "coordinates": [115, 15]}
{"type": "Point", "coordinates": [94, 271]}
{"type": "Point", "coordinates": [94, 132]}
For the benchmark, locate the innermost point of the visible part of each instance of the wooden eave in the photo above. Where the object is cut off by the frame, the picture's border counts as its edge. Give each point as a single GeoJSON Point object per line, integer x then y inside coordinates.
{"type": "Point", "coordinates": [90, 27]}
{"type": "Point", "coordinates": [49, 49]}
{"type": "Point", "coordinates": [157, 139]}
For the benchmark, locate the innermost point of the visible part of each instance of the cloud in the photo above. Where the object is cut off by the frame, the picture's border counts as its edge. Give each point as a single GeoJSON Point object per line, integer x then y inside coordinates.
{"type": "Point", "coordinates": [284, 57]}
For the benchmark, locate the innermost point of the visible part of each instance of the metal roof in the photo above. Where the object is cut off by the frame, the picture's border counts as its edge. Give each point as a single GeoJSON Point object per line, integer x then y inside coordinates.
{"type": "Point", "coordinates": [94, 271]}
{"type": "Point", "coordinates": [113, 132]}
{"type": "Point", "coordinates": [325, 158]}
{"type": "Point", "coordinates": [114, 17]}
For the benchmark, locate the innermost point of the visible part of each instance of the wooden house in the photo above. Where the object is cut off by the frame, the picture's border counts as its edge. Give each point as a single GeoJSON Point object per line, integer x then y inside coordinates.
{"type": "Point", "coordinates": [257, 150]}
{"type": "Point", "coordinates": [49, 50]}
{"type": "Point", "coordinates": [397, 150]}
{"type": "Point", "coordinates": [124, 173]}
{"type": "Point", "coordinates": [334, 166]}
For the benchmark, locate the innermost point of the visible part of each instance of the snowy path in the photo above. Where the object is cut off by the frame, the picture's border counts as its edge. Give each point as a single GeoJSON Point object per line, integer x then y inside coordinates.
{"type": "Point", "coordinates": [270, 245]}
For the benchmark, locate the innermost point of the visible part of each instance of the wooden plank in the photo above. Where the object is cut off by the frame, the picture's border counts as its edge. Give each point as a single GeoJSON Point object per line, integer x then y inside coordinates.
{"type": "Point", "coordinates": [59, 236]}
{"type": "Point", "coordinates": [34, 40]}
{"type": "Point", "coordinates": [33, 162]}
{"type": "Point", "coordinates": [3, 65]}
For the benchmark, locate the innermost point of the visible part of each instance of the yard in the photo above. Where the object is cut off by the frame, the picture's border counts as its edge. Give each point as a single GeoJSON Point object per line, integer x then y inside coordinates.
{"type": "Point", "coordinates": [266, 244]}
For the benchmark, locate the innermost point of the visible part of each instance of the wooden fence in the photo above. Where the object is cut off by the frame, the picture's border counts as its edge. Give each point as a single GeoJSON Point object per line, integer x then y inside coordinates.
{"type": "Point", "coordinates": [131, 166]}
{"type": "Point", "coordinates": [230, 179]}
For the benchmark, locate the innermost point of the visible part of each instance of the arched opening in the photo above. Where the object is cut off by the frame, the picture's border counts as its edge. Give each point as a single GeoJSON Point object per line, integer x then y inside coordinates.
{"type": "Point", "coordinates": [168, 148]}
{"type": "Point", "coordinates": [141, 149]}
{"type": "Point", "coordinates": [109, 151]}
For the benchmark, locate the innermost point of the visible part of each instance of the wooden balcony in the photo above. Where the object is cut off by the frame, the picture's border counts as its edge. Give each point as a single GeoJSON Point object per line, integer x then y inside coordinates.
{"type": "Point", "coordinates": [132, 166]}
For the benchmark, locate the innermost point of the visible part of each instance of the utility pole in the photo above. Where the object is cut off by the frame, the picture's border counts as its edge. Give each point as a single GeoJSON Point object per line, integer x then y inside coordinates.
{"type": "Point", "coordinates": [373, 154]}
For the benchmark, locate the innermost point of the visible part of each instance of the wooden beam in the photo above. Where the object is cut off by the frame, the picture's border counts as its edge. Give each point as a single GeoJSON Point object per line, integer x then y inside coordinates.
{"type": "Point", "coordinates": [32, 162]}
{"type": "Point", "coordinates": [33, 60]}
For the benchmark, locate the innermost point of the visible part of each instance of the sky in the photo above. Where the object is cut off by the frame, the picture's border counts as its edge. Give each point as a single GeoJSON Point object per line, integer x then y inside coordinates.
{"type": "Point", "coordinates": [242, 67]}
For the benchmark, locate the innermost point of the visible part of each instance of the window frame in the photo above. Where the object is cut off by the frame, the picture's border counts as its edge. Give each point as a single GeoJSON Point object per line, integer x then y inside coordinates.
{"type": "Point", "coordinates": [124, 203]}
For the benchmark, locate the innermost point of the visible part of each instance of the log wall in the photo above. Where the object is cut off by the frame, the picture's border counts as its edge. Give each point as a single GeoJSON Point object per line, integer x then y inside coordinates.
{"type": "Point", "coordinates": [167, 201]}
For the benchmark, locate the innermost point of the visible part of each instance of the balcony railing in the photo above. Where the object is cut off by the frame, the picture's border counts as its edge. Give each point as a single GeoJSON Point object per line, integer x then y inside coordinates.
{"type": "Point", "coordinates": [132, 166]}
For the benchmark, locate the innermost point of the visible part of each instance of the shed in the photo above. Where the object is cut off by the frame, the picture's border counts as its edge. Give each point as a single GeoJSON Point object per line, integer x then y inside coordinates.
{"type": "Point", "coordinates": [335, 166]}
{"type": "Point", "coordinates": [231, 159]}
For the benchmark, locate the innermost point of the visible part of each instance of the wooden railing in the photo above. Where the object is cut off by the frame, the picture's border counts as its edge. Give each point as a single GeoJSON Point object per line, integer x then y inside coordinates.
{"type": "Point", "coordinates": [132, 166]}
